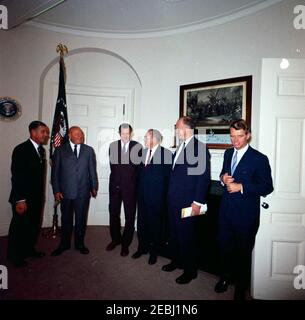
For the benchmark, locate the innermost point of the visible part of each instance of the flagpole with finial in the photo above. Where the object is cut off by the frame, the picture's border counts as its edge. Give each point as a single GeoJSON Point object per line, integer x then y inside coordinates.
{"type": "Point", "coordinates": [62, 50]}
{"type": "Point", "coordinates": [54, 231]}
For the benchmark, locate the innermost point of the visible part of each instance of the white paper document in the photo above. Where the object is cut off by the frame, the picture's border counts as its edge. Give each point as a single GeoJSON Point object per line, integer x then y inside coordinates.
{"type": "Point", "coordinates": [186, 212]}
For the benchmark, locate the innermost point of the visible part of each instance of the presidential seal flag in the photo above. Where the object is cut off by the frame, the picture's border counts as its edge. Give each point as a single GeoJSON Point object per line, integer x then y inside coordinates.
{"type": "Point", "coordinates": [60, 126]}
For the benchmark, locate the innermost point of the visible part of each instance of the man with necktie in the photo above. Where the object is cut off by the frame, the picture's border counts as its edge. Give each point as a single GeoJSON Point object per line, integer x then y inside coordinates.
{"type": "Point", "coordinates": [27, 196]}
{"type": "Point", "coordinates": [188, 184]}
{"type": "Point", "coordinates": [154, 173]}
{"type": "Point", "coordinates": [125, 158]}
{"type": "Point", "coordinates": [246, 176]}
{"type": "Point", "coordinates": [74, 181]}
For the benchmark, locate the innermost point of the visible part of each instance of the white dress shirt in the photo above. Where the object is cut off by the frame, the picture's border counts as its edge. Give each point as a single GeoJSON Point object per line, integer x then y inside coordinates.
{"type": "Point", "coordinates": [77, 147]}
{"type": "Point", "coordinates": [186, 142]}
{"type": "Point", "coordinates": [153, 150]}
{"type": "Point", "coordinates": [126, 145]}
{"type": "Point", "coordinates": [240, 153]}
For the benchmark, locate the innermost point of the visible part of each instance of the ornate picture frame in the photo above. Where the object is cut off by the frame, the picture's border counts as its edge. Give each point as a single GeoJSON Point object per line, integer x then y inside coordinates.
{"type": "Point", "coordinates": [214, 105]}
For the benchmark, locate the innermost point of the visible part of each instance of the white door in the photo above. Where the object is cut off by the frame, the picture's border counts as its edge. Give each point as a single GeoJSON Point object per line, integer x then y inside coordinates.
{"type": "Point", "coordinates": [280, 242]}
{"type": "Point", "coordinates": [99, 117]}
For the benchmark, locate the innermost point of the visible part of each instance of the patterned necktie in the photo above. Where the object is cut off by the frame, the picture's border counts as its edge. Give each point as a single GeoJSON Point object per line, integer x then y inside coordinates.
{"type": "Point", "coordinates": [75, 150]}
{"type": "Point", "coordinates": [41, 153]}
{"type": "Point", "coordinates": [234, 163]}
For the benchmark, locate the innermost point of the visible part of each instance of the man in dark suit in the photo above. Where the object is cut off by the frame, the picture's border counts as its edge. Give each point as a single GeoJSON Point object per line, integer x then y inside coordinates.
{"type": "Point", "coordinates": [246, 176]}
{"type": "Point", "coordinates": [27, 195]}
{"type": "Point", "coordinates": [188, 185]}
{"type": "Point", "coordinates": [152, 193]}
{"type": "Point", "coordinates": [125, 157]}
{"type": "Point", "coordinates": [74, 181]}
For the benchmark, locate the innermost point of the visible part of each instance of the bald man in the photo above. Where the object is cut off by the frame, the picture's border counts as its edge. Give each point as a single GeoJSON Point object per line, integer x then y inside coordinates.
{"type": "Point", "coordinates": [74, 181]}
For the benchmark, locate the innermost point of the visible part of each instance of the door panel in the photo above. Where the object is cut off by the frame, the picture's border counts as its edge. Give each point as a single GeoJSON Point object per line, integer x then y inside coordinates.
{"type": "Point", "coordinates": [280, 242]}
{"type": "Point", "coordinates": [99, 117]}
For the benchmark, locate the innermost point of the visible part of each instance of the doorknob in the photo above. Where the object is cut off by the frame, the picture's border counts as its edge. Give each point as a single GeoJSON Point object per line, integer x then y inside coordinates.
{"type": "Point", "coordinates": [265, 205]}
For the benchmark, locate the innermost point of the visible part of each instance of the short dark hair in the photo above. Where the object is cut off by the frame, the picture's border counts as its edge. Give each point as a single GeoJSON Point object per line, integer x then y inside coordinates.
{"type": "Point", "coordinates": [35, 124]}
{"type": "Point", "coordinates": [240, 124]}
{"type": "Point", "coordinates": [125, 126]}
{"type": "Point", "coordinates": [188, 121]}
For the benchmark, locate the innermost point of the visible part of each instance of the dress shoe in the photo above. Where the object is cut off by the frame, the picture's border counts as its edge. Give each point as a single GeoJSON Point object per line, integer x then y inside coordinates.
{"type": "Point", "coordinates": [83, 250]}
{"type": "Point", "coordinates": [169, 267]}
{"type": "Point", "coordinates": [138, 254]}
{"type": "Point", "coordinates": [124, 252]}
{"type": "Point", "coordinates": [58, 251]}
{"type": "Point", "coordinates": [186, 277]}
{"type": "Point", "coordinates": [222, 285]}
{"type": "Point", "coordinates": [152, 259]}
{"type": "Point", "coordinates": [36, 254]}
{"type": "Point", "coordinates": [112, 245]}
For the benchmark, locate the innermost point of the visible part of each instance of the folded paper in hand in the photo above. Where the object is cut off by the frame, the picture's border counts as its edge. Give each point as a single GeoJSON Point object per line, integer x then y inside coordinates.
{"type": "Point", "coordinates": [186, 212]}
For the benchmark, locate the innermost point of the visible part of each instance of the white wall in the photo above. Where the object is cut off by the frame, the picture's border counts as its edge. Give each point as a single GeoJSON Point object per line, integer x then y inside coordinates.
{"type": "Point", "coordinates": [163, 64]}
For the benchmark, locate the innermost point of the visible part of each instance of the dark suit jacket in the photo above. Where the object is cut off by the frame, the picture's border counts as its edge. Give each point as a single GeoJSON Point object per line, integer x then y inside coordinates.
{"type": "Point", "coordinates": [254, 172]}
{"type": "Point", "coordinates": [74, 177]}
{"type": "Point", "coordinates": [124, 174]}
{"type": "Point", "coordinates": [185, 188]}
{"type": "Point", "coordinates": [28, 174]}
{"type": "Point", "coordinates": [153, 179]}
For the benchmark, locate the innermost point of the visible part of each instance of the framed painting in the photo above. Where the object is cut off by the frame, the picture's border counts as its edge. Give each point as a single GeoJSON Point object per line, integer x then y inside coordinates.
{"type": "Point", "coordinates": [214, 105]}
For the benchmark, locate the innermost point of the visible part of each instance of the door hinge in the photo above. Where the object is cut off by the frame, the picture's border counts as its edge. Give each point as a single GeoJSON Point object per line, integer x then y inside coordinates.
{"type": "Point", "coordinates": [124, 109]}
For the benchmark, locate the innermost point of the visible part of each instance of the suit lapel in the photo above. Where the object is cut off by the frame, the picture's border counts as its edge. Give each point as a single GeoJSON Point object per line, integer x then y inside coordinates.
{"type": "Point", "coordinates": [157, 155]}
{"type": "Point", "coordinates": [33, 151]}
{"type": "Point", "coordinates": [230, 155]}
{"type": "Point", "coordinates": [242, 161]}
{"type": "Point", "coordinates": [81, 150]}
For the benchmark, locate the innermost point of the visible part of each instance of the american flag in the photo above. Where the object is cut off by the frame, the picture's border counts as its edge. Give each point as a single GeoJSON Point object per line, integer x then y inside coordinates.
{"type": "Point", "coordinates": [60, 126]}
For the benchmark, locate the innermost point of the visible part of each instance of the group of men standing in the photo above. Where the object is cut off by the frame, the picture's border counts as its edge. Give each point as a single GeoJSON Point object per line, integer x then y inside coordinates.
{"type": "Point", "coordinates": [152, 180]}
{"type": "Point", "coordinates": [158, 182]}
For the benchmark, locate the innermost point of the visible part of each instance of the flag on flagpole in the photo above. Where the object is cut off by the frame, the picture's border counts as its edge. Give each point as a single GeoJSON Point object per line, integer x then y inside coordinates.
{"type": "Point", "coordinates": [60, 126]}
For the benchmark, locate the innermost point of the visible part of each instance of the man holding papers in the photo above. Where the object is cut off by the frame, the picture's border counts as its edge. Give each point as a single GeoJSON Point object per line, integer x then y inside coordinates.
{"type": "Point", "coordinates": [188, 184]}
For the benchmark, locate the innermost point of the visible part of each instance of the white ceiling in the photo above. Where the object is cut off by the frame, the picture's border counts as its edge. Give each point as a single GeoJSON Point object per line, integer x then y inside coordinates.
{"type": "Point", "coordinates": [130, 16]}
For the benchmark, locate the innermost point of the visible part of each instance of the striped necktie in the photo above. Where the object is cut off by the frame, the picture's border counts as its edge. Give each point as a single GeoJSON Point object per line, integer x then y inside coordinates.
{"type": "Point", "coordinates": [234, 163]}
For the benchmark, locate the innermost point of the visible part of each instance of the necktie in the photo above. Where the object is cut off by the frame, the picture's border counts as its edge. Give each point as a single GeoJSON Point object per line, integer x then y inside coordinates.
{"type": "Point", "coordinates": [41, 152]}
{"type": "Point", "coordinates": [234, 163]}
{"type": "Point", "coordinates": [75, 150]}
{"type": "Point", "coordinates": [125, 147]}
{"type": "Point", "coordinates": [149, 158]}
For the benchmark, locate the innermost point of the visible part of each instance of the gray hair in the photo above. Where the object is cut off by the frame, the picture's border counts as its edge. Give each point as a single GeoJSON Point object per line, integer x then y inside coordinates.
{"type": "Point", "coordinates": [156, 134]}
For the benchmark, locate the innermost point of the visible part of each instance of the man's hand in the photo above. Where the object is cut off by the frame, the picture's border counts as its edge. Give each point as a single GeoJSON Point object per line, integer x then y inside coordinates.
{"type": "Point", "coordinates": [226, 179]}
{"type": "Point", "coordinates": [21, 207]}
{"type": "Point", "coordinates": [58, 196]}
{"type": "Point", "coordinates": [234, 187]}
{"type": "Point", "coordinates": [93, 193]}
{"type": "Point", "coordinates": [195, 209]}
